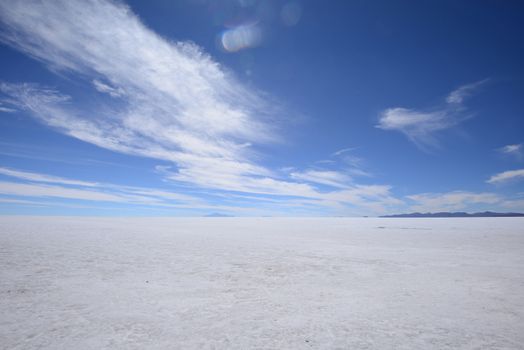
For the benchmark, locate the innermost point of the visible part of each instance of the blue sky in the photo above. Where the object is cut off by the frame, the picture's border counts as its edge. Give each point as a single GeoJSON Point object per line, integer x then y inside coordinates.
{"type": "Point", "coordinates": [259, 107]}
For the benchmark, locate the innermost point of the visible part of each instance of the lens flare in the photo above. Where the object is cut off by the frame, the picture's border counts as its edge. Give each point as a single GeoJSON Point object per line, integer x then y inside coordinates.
{"type": "Point", "coordinates": [241, 37]}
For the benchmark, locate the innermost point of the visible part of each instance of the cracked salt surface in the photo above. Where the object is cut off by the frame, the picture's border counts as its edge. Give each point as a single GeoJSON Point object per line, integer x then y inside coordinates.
{"type": "Point", "coordinates": [261, 283]}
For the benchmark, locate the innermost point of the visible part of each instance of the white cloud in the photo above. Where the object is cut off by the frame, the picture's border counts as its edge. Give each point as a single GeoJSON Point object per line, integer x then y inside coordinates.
{"type": "Point", "coordinates": [459, 95]}
{"type": "Point", "coordinates": [420, 126]}
{"type": "Point", "coordinates": [40, 190]}
{"type": "Point", "coordinates": [175, 103]}
{"type": "Point", "coordinates": [511, 148]}
{"type": "Point", "coordinates": [151, 199]}
{"type": "Point", "coordinates": [514, 150]}
{"type": "Point", "coordinates": [181, 105]}
{"type": "Point", "coordinates": [86, 190]}
{"type": "Point", "coordinates": [373, 198]}
{"type": "Point", "coordinates": [102, 87]}
{"type": "Point", "coordinates": [23, 202]}
{"type": "Point", "coordinates": [506, 176]}
{"type": "Point", "coordinates": [350, 163]}
{"type": "Point", "coordinates": [342, 151]}
{"type": "Point", "coordinates": [324, 177]}
{"type": "Point", "coordinates": [43, 178]}
{"type": "Point", "coordinates": [6, 109]}
{"type": "Point", "coordinates": [457, 200]}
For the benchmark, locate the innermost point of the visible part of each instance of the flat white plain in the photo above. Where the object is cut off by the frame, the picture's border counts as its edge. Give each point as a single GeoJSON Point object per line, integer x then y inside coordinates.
{"type": "Point", "coordinates": [261, 283]}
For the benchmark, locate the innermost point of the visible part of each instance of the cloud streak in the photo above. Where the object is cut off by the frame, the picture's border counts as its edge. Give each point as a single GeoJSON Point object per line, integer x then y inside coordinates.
{"type": "Point", "coordinates": [457, 97]}
{"type": "Point", "coordinates": [104, 88]}
{"type": "Point", "coordinates": [44, 178]}
{"type": "Point", "coordinates": [166, 100]}
{"type": "Point", "coordinates": [6, 109]}
{"type": "Point", "coordinates": [170, 101]}
{"type": "Point", "coordinates": [38, 185]}
{"type": "Point", "coordinates": [421, 126]}
{"type": "Point", "coordinates": [514, 150]}
{"type": "Point", "coordinates": [177, 93]}
{"type": "Point", "coordinates": [456, 200]}
{"type": "Point", "coordinates": [324, 177]}
{"type": "Point", "coordinates": [179, 105]}
{"type": "Point", "coordinates": [506, 176]}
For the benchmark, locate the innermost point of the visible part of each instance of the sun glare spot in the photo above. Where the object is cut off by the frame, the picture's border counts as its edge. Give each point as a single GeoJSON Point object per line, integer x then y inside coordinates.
{"type": "Point", "coordinates": [241, 37]}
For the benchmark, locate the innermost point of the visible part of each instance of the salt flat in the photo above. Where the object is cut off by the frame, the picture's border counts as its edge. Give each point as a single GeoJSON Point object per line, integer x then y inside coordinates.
{"type": "Point", "coordinates": [261, 283]}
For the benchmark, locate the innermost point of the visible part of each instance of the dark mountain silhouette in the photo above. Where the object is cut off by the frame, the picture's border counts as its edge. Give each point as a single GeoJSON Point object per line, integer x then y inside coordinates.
{"type": "Point", "coordinates": [486, 214]}
{"type": "Point", "coordinates": [217, 215]}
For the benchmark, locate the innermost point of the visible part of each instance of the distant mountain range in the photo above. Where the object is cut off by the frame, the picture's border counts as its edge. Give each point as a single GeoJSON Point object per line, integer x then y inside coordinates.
{"type": "Point", "coordinates": [217, 215]}
{"type": "Point", "coordinates": [486, 214]}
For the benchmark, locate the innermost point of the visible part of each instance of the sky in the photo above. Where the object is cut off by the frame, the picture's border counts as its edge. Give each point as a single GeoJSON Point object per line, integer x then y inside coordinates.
{"type": "Point", "coordinates": [261, 107]}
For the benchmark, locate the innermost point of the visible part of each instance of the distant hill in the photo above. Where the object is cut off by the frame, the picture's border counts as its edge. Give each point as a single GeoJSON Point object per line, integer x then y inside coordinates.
{"type": "Point", "coordinates": [486, 214]}
{"type": "Point", "coordinates": [217, 215]}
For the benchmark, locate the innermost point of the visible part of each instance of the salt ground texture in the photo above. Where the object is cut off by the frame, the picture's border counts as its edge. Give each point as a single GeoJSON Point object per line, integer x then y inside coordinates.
{"type": "Point", "coordinates": [261, 283]}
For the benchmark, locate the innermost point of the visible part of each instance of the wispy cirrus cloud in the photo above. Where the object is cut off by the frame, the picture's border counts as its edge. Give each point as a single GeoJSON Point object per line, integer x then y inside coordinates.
{"type": "Point", "coordinates": [457, 97]}
{"type": "Point", "coordinates": [304, 199]}
{"type": "Point", "coordinates": [5, 109]}
{"type": "Point", "coordinates": [421, 126]}
{"type": "Point", "coordinates": [107, 89]}
{"type": "Point", "coordinates": [346, 163]}
{"type": "Point", "coordinates": [343, 151]}
{"type": "Point", "coordinates": [338, 171]}
{"type": "Point", "coordinates": [324, 177]}
{"type": "Point", "coordinates": [506, 176]}
{"type": "Point", "coordinates": [44, 178]}
{"type": "Point", "coordinates": [180, 105]}
{"type": "Point", "coordinates": [170, 101]}
{"type": "Point", "coordinates": [41, 190]}
{"type": "Point", "coordinates": [44, 185]}
{"type": "Point", "coordinates": [514, 150]}
{"type": "Point", "coordinates": [210, 172]}
{"type": "Point", "coordinates": [451, 201]}
{"type": "Point", "coordinates": [149, 199]}
{"type": "Point", "coordinates": [418, 126]}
